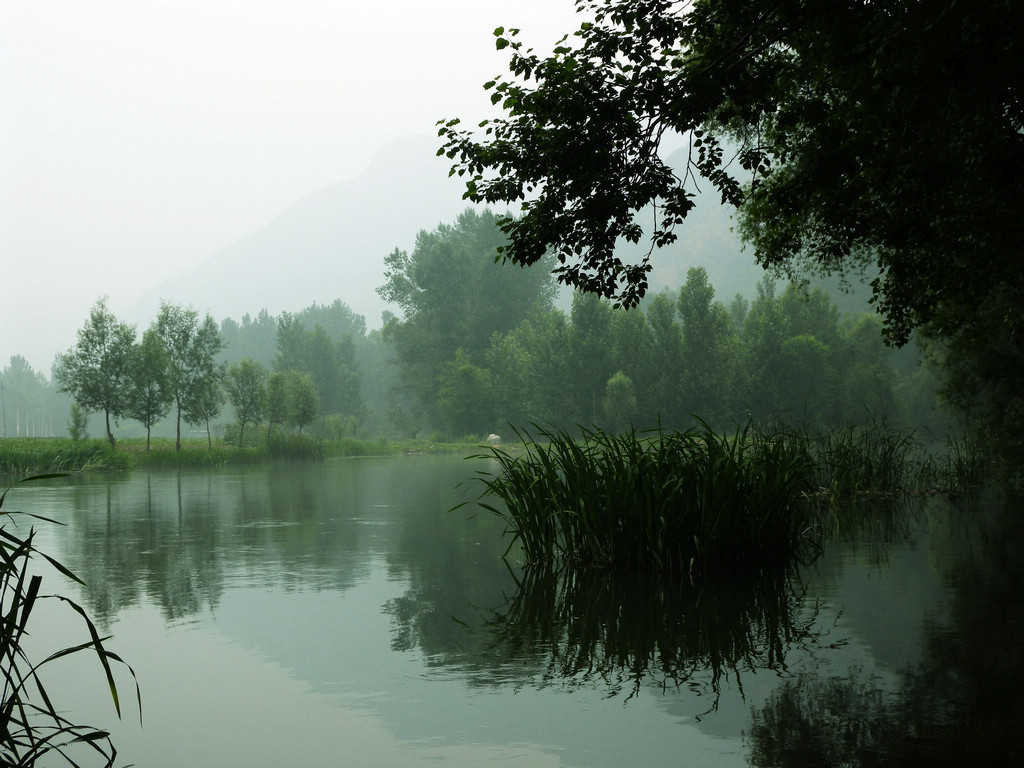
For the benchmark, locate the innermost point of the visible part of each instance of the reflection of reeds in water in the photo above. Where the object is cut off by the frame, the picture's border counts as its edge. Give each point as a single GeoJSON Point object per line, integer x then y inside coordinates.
{"type": "Point", "coordinates": [877, 523]}
{"type": "Point", "coordinates": [581, 627]}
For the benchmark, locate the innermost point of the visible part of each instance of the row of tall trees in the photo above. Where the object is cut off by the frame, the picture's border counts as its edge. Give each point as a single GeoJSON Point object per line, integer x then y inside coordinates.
{"type": "Point", "coordinates": [327, 343]}
{"type": "Point", "coordinates": [256, 337]}
{"type": "Point", "coordinates": [481, 344]}
{"type": "Point", "coordinates": [453, 299]}
{"type": "Point", "coordinates": [181, 365]}
{"type": "Point", "coordinates": [685, 355]}
{"type": "Point", "coordinates": [330, 365]}
{"type": "Point", "coordinates": [173, 366]}
{"type": "Point", "coordinates": [279, 398]}
{"type": "Point", "coordinates": [29, 404]}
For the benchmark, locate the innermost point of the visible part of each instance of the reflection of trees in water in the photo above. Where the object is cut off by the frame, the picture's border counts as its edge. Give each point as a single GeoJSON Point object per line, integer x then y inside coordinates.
{"type": "Point", "coordinates": [152, 543]}
{"type": "Point", "coordinates": [179, 539]}
{"type": "Point", "coordinates": [850, 721]}
{"type": "Point", "coordinates": [175, 539]}
{"type": "Point", "coordinates": [961, 705]}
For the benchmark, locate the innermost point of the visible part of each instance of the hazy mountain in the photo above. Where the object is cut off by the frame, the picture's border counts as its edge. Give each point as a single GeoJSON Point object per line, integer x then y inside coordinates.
{"type": "Point", "coordinates": [331, 244]}
{"type": "Point", "coordinates": [707, 239]}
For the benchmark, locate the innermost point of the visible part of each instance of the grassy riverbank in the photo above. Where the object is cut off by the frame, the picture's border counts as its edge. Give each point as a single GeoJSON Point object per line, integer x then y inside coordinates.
{"type": "Point", "coordinates": [26, 456]}
{"type": "Point", "coordinates": [21, 456]}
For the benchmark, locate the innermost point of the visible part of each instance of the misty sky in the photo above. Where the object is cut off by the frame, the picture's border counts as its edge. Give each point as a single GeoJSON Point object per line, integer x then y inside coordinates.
{"type": "Point", "coordinates": [138, 138]}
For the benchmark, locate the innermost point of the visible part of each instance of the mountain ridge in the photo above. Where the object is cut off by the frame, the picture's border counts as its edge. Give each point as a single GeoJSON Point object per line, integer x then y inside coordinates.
{"type": "Point", "coordinates": [331, 244]}
{"type": "Point", "coordinates": [327, 245]}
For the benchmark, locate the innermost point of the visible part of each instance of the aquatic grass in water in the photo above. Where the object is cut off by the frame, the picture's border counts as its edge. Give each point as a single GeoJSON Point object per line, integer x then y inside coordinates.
{"type": "Point", "coordinates": [963, 465]}
{"type": "Point", "coordinates": [302, 447]}
{"type": "Point", "coordinates": [26, 456]}
{"type": "Point", "coordinates": [197, 454]}
{"type": "Point", "coordinates": [873, 458]}
{"type": "Point", "coordinates": [702, 500]}
{"type": "Point", "coordinates": [287, 447]}
{"type": "Point", "coordinates": [671, 502]}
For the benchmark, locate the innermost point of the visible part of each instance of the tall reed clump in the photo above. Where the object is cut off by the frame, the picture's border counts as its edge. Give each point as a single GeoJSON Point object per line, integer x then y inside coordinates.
{"type": "Point", "coordinates": [872, 458]}
{"type": "Point", "coordinates": [23, 455]}
{"type": "Point", "coordinates": [297, 447]}
{"type": "Point", "coordinates": [32, 728]}
{"type": "Point", "coordinates": [669, 502]}
{"type": "Point", "coordinates": [197, 455]}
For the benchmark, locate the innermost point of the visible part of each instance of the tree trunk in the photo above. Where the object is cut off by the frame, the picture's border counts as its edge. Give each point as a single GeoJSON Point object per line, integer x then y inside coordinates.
{"type": "Point", "coordinates": [177, 440]}
{"type": "Point", "coordinates": [110, 435]}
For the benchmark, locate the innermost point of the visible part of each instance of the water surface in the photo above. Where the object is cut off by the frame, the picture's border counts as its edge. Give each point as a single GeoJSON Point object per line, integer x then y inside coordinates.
{"type": "Point", "coordinates": [338, 614]}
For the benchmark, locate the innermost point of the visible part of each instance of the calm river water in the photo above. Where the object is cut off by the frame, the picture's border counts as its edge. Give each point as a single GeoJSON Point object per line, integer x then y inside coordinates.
{"type": "Point", "coordinates": [337, 614]}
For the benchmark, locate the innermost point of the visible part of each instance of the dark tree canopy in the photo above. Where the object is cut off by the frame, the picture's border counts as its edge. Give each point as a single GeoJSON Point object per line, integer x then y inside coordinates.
{"type": "Point", "coordinates": [880, 136]}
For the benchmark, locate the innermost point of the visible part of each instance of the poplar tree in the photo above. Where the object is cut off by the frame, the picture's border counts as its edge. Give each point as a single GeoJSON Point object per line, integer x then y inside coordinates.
{"type": "Point", "coordinates": [191, 346]}
{"type": "Point", "coordinates": [96, 372]}
{"type": "Point", "coordinates": [149, 394]}
{"type": "Point", "coordinates": [246, 384]}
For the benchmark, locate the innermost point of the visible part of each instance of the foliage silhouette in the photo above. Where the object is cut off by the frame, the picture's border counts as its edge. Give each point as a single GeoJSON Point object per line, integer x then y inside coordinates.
{"type": "Point", "coordinates": [31, 726]}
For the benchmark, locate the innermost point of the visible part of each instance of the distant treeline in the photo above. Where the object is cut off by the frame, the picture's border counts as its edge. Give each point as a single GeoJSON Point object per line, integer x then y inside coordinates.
{"type": "Point", "coordinates": [480, 345]}
{"type": "Point", "coordinates": [476, 345]}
